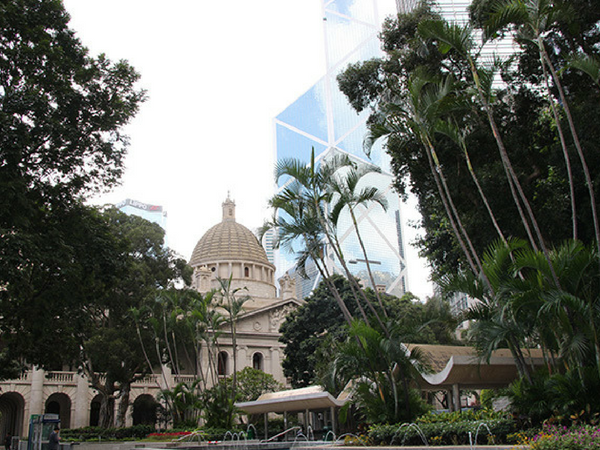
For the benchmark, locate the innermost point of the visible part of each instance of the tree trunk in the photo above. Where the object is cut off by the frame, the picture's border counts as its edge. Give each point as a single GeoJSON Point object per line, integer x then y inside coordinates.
{"type": "Point", "coordinates": [364, 250]}
{"type": "Point", "coordinates": [512, 175]}
{"type": "Point", "coordinates": [107, 410]}
{"type": "Point", "coordinates": [123, 405]}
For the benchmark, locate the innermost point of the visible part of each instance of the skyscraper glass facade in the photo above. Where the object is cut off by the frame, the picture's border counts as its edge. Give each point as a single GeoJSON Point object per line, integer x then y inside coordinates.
{"type": "Point", "coordinates": [323, 119]}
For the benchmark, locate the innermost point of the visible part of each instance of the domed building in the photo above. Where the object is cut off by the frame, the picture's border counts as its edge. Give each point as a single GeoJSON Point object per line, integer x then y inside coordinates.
{"type": "Point", "coordinates": [226, 250]}
{"type": "Point", "coordinates": [230, 251]}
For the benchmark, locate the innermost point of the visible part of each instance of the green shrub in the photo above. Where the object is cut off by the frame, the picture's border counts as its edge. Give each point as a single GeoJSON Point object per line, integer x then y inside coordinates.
{"type": "Point", "coordinates": [97, 433]}
{"type": "Point", "coordinates": [443, 432]}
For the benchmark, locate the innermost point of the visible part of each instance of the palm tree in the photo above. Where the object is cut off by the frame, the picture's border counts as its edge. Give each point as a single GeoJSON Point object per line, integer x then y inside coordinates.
{"type": "Point", "coordinates": [427, 99]}
{"type": "Point", "coordinates": [304, 200]}
{"type": "Point", "coordinates": [450, 129]}
{"type": "Point", "coordinates": [495, 323]}
{"type": "Point", "coordinates": [533, 19]}
{"type": "Point", "coordinates": [451, 36]}
{"type": "Point", "coordinates": [233, 303]}
{"type": "Point", "coordinates": [380, 369]}
{"type": "Point", "coordinates": [346, 195]}
{"type": "Point", "coordinates": [573, 310]}
{"type": "Point", "coordinates": [297, 226]}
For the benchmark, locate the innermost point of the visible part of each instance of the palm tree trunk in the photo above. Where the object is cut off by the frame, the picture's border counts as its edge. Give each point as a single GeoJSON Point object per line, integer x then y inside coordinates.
{"type": "Point", "coordinates": [364, 250]}
{"type": "Point", "coordinates": [586, 172]}
{"type": "Point", "coordinates": [439, 171]}
{"type": "Point", "coordinates": [563, 145]}
{"type": "Point", "coordinates": [326, 276]}
{"type": "Point", "coordinates": [339, 255]}
{"type": "Point", "coordinates": [482, 195]}
{"type": "Point", "coordinates": [513, 176]}
{"type": "Point", "coordinates": [444, 200]}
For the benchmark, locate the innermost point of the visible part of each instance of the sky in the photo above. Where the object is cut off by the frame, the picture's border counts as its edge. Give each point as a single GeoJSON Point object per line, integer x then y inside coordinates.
{"type": "Point", "coordinates": [216, 74]}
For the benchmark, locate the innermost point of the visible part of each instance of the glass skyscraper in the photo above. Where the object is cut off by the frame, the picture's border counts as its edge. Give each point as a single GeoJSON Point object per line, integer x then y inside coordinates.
{"type": "Point", "coordinates": [323, 119]}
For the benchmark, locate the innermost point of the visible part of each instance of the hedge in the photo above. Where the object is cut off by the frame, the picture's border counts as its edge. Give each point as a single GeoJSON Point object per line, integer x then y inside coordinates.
{"type": "Point", "coordinates": [492, 431]}
{"type": "Point", "coordinates": [98, 433]}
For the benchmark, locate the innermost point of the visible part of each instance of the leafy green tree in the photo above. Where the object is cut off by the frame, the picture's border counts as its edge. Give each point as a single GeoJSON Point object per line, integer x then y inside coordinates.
{"type": "Point", "coordinates": [148, 267]}
{"type": "Point", "coordinates": [311, 331]}
{"type": "Point", "coordinates": [380, 369]}
{"type": "Point", "coordinates": [524, 126]}
{"type": "Point", "coordinates": [303, 330]}
{"type": "Point", "coordinates": [252, 383]}
{"type": "Point", "coordinates": [61, 115]}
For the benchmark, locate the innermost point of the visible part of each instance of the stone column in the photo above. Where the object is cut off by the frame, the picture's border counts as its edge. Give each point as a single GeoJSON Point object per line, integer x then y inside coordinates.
{"type": "Point", "coordinates": [36, 397]}
{"type": "Point", "coordinates": [333, 428]}
{"type": "Point", "coordinates": [456, 397]}
{"type": "Point", "coordinates": [165, 381]}
{"type": "Point", "coordinates": [276, 364]}
{"type": "Point", "coordinates": [242, 356]}
{"type": "Point", "coordinates": [81, 416]}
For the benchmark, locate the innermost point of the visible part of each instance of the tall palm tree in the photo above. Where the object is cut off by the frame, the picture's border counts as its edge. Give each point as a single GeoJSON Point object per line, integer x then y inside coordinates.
{"type": "Point", "coordinates": [349, 195]}
{"type": "Point", "coordinates": [450, 129]}
{"type": "Point", "coordinates": [533, 19]}
{"type": "Point", "coordinates": [458, 38]}
{"type": "Point", "coordinates": [304, 200]}
{"type": "Point", "coordinates": [425, 103]}
{"type": "Point", "coordinates": [297, 226]}
{"type": "Point", "coordinates": [233, 302]}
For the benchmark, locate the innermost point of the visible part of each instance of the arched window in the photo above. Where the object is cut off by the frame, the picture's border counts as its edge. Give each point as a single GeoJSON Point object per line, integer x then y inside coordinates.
{"type": "Point", "coordinates": [222, 363]}
{"type": "Point", "coordinates": [257, 361]}
{"type": "Point", "coordinates": [247, 272]}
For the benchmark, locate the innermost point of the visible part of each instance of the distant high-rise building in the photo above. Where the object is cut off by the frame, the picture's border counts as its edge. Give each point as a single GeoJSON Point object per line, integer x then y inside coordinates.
{"type": "Point", "coordinates": [152, 213]}
{"type": "Point", "coordinates": [267, 243]}
{"type": "Point", "coordinates": [323, 119]}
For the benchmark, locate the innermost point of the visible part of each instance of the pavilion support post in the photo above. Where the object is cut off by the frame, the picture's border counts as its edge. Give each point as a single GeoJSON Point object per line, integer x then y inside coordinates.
{"type": "Point", "coordinates": [266, 426]}
{"type": "Point", "coordinates": [449, 401]}
{"type": "Point", "coordinates": [306, 421]}
{"type": "Point", "coordinates": [333, 428]}
{"type": "Point", "coordinates": [456, 397]}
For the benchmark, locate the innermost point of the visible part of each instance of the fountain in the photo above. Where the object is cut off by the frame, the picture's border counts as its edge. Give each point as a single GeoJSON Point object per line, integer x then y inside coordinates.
{"type": "Point", "coordinates": [327, 436]}
{"type": "Point", "coordinates": [477, 432]}
{"type": "Point", "coordinates": [343, 436]}
{"type": "Point", "coordinates": [252, 428]}
{"type": "Point", "coordinates": [408, 427]}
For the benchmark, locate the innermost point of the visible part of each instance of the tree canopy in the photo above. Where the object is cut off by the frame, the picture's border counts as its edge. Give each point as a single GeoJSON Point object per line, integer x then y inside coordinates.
{"type": "Point", "coordinates": [311, 331]}
{"type": "Point", "coordinates": [61, 118]}
{"type": "Point", "coordinates": [455, 130]}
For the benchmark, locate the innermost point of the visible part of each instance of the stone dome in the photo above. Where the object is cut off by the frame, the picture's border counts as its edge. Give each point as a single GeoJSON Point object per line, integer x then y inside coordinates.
{"type": "Point", "coordinates": [228, 241]}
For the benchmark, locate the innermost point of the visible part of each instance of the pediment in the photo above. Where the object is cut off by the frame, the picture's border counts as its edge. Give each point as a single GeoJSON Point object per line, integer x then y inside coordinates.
{"type": "Point", "coordinates": [267, 319]}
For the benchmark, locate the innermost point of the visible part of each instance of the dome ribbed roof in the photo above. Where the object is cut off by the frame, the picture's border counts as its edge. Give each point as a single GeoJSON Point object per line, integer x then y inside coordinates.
{"type": "Point", "coordinates": [228, 240]}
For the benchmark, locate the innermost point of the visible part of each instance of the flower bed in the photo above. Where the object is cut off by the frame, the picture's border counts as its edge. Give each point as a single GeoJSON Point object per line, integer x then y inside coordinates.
{"type": "Point", "coordinates": [168, 436]}
{"type": "Point", "coordinates": [582, 437]}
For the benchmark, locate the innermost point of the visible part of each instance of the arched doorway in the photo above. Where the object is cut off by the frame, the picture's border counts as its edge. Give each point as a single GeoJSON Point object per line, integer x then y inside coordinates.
{"type": "Point", "coordinates": [144, 411]}
{"type": "Point", "coordinates": [258, 361]}
{"type": "Point", "coordinates": [222, 364]}
{"type": "Point", "coordinates": [60, 404]}
{"type": "Point", "coordinates": [12, 405]}
{"type": "Point", "coordinates": [95, 411]}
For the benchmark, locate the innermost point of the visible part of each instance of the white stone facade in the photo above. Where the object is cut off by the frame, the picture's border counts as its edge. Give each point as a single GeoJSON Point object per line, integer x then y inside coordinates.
{"type": "Point", "coordinates": [226, 250]}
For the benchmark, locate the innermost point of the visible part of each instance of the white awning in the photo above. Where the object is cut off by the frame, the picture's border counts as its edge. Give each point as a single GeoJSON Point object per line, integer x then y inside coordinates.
{"type": "Point", "coordinates": [311, 398]}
